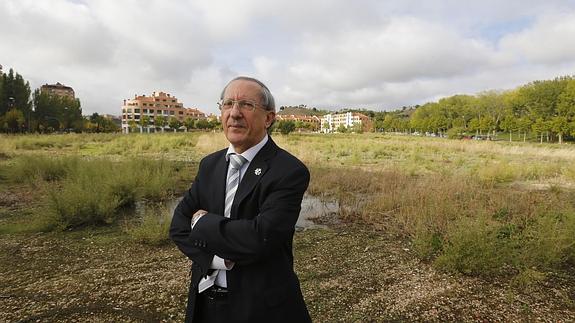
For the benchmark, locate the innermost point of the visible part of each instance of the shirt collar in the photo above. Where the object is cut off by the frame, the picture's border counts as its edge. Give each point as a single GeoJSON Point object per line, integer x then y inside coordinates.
{"type": "Point", "coordinates": [250, 153]}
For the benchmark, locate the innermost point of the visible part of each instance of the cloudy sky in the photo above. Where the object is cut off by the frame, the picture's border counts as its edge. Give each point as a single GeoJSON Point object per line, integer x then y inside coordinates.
{"type": "Point", "coordinates": [376, 54]}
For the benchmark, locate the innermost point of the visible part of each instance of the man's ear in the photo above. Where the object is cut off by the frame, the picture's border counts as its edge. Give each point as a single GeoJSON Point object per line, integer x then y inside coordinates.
{"type": "Point", "coordinates": [270, 117]}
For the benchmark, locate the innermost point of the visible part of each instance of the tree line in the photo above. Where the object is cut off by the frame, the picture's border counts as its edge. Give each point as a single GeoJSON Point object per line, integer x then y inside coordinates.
{"type": "Point", "coordinates": [22, 110]}
{"type": "Point", "coordinates": [541, 109]}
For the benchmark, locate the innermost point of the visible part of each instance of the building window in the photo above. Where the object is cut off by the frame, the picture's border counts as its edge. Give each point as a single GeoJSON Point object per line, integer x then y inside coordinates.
{"type": "Point", "coordinates": [166, 112]}
{"type": "Point", "coordinates": [173, 100]}
{"type": "Point", "coordinates": [137, 117]}
{"type": "Point", "coordinates": [180, 112]}
{"type": "Point", "coordinates": [145, 110]}
{"type": "Point", "coordinates": [171, 113]}
{"type": "Point", "coordinates": [129, 110]}
{"type": "Point", "coordinates": [157, 100]}
{"type": "Point", "coordinates": [151, 110]}
{"type": "Point", "coordinates": [136, 110]}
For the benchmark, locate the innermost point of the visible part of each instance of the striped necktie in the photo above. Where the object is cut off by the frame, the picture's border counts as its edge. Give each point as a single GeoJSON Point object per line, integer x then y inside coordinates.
{"type": "Point", "coordinates": [236, 163]}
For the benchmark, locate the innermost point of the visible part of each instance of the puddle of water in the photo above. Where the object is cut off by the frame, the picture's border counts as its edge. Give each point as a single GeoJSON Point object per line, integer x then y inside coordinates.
{"type": "Point", "coordinates": [311, 207]}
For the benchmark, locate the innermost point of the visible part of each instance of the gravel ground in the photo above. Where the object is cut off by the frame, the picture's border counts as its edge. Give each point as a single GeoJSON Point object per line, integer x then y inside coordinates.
{"type": "Point", "coordinates": [349, 273]}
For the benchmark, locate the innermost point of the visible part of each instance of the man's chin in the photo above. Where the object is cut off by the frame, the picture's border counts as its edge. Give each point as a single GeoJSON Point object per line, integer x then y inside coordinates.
{"type": "Point", "coordinates": [235, 137]}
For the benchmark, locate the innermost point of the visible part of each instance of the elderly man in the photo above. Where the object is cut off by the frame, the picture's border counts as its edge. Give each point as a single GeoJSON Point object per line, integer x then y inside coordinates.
{"type": "Point", "coordinates": [236, 222]}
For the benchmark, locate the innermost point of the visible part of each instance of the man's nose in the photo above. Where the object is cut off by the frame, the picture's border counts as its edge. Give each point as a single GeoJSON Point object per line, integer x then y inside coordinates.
{"type": "Point", "coordinates": [235, 111]}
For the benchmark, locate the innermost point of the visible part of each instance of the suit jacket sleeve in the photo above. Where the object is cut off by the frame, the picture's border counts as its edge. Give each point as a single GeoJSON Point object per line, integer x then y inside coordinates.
{"type": "Point", "coordinates": [180, 227]}
{"type": "Point", "coordinates": [245, 241]}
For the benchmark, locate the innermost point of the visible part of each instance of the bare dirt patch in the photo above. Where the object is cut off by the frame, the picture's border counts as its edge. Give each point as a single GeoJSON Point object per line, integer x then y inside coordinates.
{"type": "Point", "coordinates": [349, 272]}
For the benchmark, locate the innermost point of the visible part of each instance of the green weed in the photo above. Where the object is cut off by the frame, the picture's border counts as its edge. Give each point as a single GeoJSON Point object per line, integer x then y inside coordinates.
{"type": "Point", "coordinates": [152, 229]}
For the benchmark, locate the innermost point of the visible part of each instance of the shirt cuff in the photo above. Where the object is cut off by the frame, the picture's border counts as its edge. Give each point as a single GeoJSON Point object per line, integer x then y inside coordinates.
{"type": "Point", "coordinates": [219, 263]}
{"type": "Point", "coordinates": [196, 221]}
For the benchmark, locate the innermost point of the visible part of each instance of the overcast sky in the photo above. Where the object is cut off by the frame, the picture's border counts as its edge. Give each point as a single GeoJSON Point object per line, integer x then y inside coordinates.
{"type": "Point", "coordinates": [379, 55]}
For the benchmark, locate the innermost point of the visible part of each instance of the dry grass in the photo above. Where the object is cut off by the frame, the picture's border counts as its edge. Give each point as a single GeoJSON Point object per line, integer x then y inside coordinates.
{"type": "Point", "coordinates": [447, 196]}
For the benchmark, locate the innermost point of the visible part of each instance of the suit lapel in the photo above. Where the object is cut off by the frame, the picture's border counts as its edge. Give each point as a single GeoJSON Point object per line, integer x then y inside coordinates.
{"type": "Point", "coordinates": [256, 170]}
{"type": "Point", "coordinates": [219, 182]}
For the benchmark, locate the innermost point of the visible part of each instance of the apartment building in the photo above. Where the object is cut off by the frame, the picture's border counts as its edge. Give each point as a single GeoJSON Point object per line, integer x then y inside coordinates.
{"type": "Point", "coordinates": [58, 89]}
{"type": "Point", "coordinates": [333, 121]}
{"type": "Point", "coordinates": [158, 104]}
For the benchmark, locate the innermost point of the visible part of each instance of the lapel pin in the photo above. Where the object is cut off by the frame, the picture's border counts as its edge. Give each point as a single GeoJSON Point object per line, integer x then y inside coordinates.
{"type": "Point", "coordinates": [258, 171]}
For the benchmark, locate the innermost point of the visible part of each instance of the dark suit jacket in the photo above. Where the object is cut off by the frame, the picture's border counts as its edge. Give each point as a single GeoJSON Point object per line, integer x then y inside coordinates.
{"type": "Point", "coordinates": [257, 237]}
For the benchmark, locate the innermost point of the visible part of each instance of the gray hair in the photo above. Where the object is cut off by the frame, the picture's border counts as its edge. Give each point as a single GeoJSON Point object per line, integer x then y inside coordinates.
{"type": "Point", "coordinates": [267, 98]}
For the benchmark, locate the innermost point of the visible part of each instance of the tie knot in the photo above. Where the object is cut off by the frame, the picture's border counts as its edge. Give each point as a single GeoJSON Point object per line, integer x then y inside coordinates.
{"type": "Point", "coordinates": [237, 161]}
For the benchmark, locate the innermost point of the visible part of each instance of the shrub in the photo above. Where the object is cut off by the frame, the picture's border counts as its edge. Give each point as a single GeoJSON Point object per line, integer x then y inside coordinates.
{"type": "Point", "coordinates": [549, 241]}
{"type": "Point", "coordinates": [152, 229]}
{"type": "Point", "coordinates": [456, 133]}
{"type": "Point", "coordinates": [80, 203]}
{"type": "Point", "coordinates": [93, 191]}
{"type": "Point", "coordinates": [474, 247]}
{"type": "Point", "coordinates": [30, 169]}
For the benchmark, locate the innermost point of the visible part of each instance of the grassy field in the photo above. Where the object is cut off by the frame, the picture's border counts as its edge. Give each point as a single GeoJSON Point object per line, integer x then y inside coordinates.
{"type": "Point", "coordinates": [460, 221]}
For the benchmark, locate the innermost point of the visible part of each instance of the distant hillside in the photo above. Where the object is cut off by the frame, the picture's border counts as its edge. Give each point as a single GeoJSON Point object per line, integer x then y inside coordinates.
{"type": "Point", "coordinates": [301, 110]}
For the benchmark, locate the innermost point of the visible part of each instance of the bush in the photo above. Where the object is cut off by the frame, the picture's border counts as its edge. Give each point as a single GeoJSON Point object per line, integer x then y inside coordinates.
{"type": "Point", "coordinates": [456, 133]}
{"type": "Point", "coordinates": [153, 229]}
{"type": "Point", "coordinates": [475, 247]}
{"type": "Point", "coordinates": [30, 169]}
{"type": "Point", "coordinates": [81, 203]}
{"type": "Point", "coordinates": [549, 241]}
{"type": "Point", "coordinates": [91, 192]}
{"type": "Point", "coordinates": [286, 126]}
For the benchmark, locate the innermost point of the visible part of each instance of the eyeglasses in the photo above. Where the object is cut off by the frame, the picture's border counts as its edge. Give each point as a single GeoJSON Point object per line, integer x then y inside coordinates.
{"type": "Point", "coordinates": [244, 105]}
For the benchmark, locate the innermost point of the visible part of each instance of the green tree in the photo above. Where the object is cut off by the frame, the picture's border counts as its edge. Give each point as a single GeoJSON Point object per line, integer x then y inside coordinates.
{"type": "Point", "coordinates": [202, 124]}
{"type": "Point", "coordinates": [174, 123]}
{"type": "Point", "coordinates": [509, 124]}
{"type": "Point", "coordinates": [189, 123]}
{"type": "Point", "coordinates": [566, 104]}
{"type": "Point", "coordinates": [97, 121]}
{"type": "Point", "coordinates": [145, 122]}
{"type": "Point", "coordinates": [540, 126]}
{"type": "Point", "coordinates": [14, 120]}
{"type": "Point", "coordinates": [389, 122]}
{"type": "Point", "coordinates": [357, 127]}
{"type": "Point", "coordinates": [57, 112]}
{"type": "Point", "coordinates": [475, 125]}
{"type": "Point", "coordinates": [560, 125]}
{"type": "Point", "coordinates": [160, 122]}
{"type": "Point", "coordinates": [524, 124]}
{"type": "Point", "coordinates": [133, 125]}
{"type": "Point", "coordinates": [15, 93]}
{"type": "Point", "coordinates": [286, 126]}
{"type": "Point", "coordinates": [109, 125]}
{"type": "Point", "coordinates": [341, 129]}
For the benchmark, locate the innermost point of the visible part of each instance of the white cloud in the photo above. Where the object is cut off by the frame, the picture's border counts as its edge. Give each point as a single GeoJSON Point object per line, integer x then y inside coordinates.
{"type": "Point", "coordinates": [550, 41]}
{"type": "Point", "coordinates": [367, 53]}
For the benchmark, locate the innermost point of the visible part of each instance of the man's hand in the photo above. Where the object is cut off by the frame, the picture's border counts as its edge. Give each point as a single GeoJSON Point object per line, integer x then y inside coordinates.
{"type": "Point", "coordinates": [197, 216]}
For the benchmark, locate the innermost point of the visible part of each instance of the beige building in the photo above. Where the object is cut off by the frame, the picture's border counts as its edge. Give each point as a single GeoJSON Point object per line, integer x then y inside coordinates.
{"type": "Point", "coordinates": [58, 89]}
{"type": "Point", "coordinates": [333, 121]}
{"type": "Point", "coordinates": [313, 121]}
{"type": "Point", "coordinates": [158, 104]}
